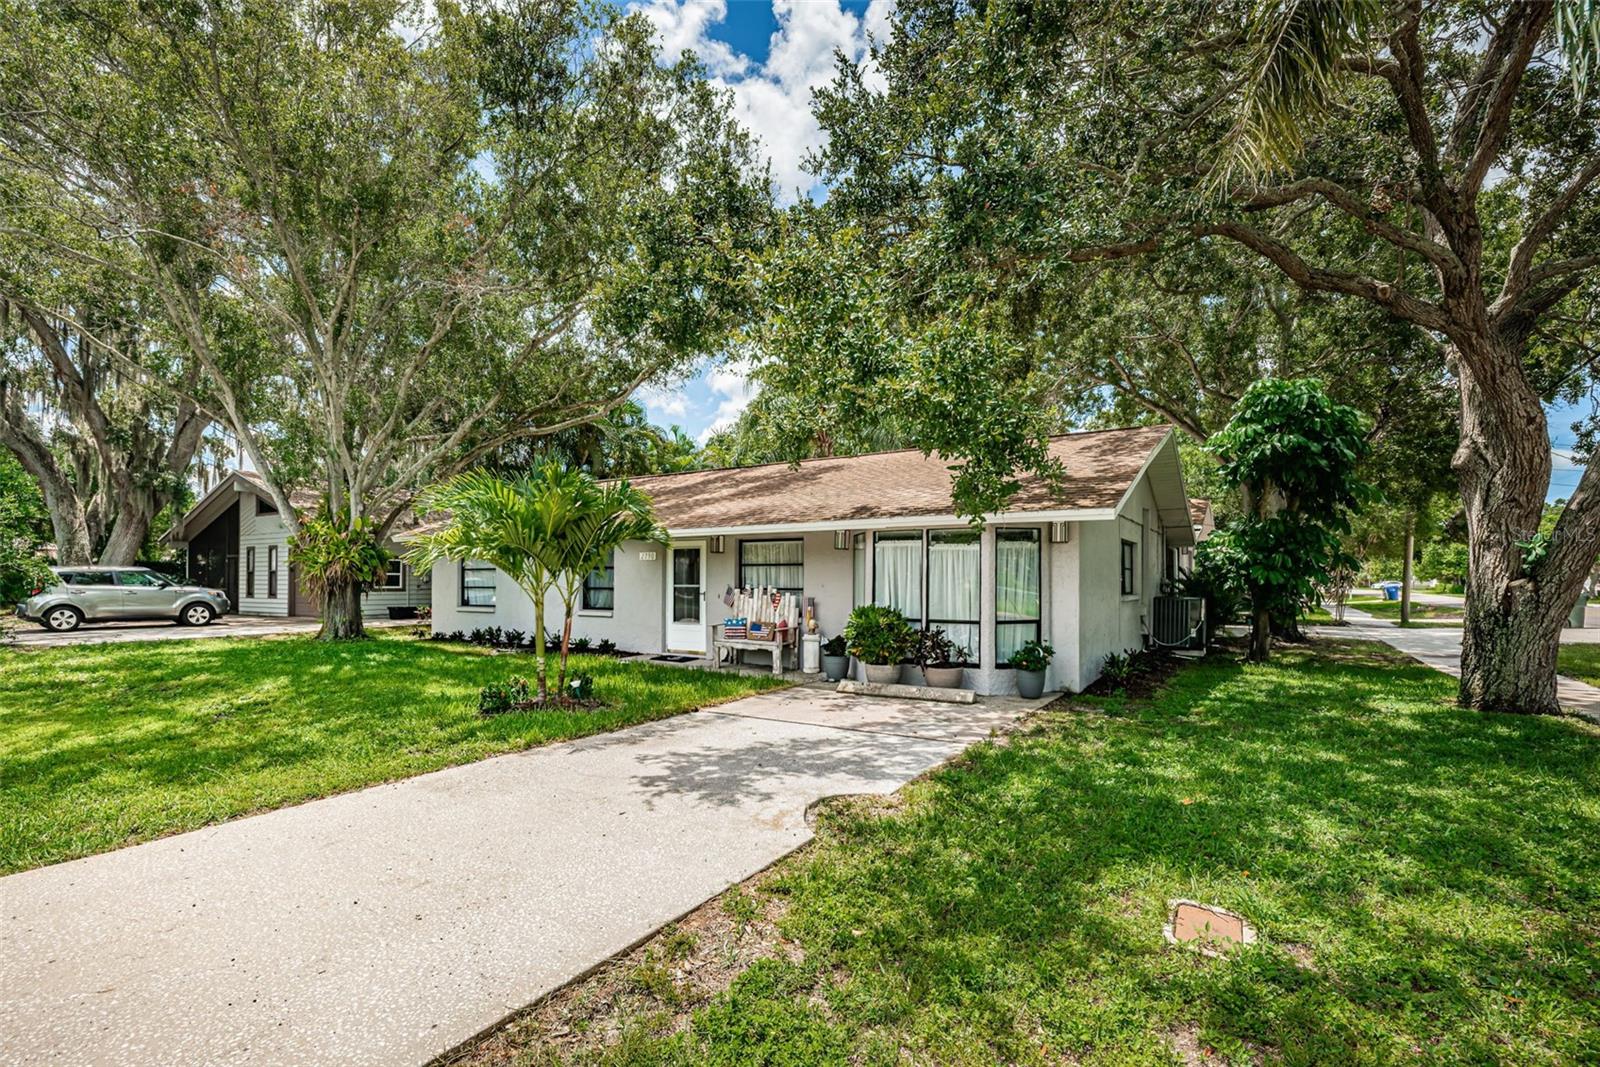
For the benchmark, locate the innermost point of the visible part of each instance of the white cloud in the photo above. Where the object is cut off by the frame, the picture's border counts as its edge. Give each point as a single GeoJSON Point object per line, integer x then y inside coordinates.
{"type": "Point", "coordinates": [681, 27]}
{"type": "Point", "coordinates": [773, 98]}
{"type": "Point", "coordinates": [665, 404]}
{"type": "Point", "coordinates": [732, 391]}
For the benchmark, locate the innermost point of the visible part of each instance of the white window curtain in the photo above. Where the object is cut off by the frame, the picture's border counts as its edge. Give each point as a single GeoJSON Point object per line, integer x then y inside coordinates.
{"type": "Point", "coordinates": [954, 588]}
{"type": "Point", "coordinates": [1016, 590]}
{"type": "Point", "coordinates": [775, 564]}
{"type": "Point", "coordinates": [897, 572]}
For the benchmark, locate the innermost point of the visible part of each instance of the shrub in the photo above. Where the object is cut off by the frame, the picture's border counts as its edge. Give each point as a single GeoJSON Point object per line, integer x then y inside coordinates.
{"type": "Point", "coordinates": [478, 636]}
{"type": "Point", "coordinates": [1117, 670]}
{"type": "Point", "coordinates": [457, 635]}
{"type": "Point", "coordinates": [497, 698]}
{"type": "Point", "coordinates": [580, 644]}
{"type": "Point", "coordinates": [512, 638]}
{"type": "Point", "coordinates": [1033, 656]}
{"type": "Point", "coordinates": [606, 647]}
{"type": "Point", "coordinates": [935, 649]}
{"type": "Point", "coordinates": [879, 635]}
{"type": "Point", "coordinates": [580, 687]}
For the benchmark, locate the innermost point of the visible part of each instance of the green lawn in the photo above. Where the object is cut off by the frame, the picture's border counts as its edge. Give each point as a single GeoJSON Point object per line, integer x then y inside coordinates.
{"type": "Point", "coordinates": [1426, 882]}
{"type": "Point", "coordinates": [106, 745]}
{"type": "Point", "coordinates": [1390, 609]}
{"type": "Point", "coordinates": [1581, 662]}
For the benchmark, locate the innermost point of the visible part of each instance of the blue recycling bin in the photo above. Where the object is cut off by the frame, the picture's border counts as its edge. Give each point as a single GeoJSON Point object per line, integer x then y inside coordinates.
{"type": "Point", "coordinates": [1391, 590]}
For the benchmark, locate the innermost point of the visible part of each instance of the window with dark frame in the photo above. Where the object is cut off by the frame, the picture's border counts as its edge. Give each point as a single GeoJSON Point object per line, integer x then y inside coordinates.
{"type": "Point", "coordinates": [775, 564]}
{"type": "Point", "coordinates": [272, 572]}
{"type": "Point", "coordinates": [250, 571]}
{"type": "Point", "coordinates": [954, 588]}
{"type": "Point", "coordinates": [394, 577]}
{"type": "Point", "coordinates": [1130, 553]}
{"type": "Point", "coordinates": [477, 584]}
{"type": "Point", "coordinates": [1018, 582]}
{"type": "Point", "coordinates": [265, 507]}
{"type": "Point", "coordinates": [600, 586]}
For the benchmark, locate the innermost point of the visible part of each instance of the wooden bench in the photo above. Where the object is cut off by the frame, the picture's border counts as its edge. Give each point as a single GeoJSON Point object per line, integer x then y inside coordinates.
{"type": "Point", "coordinates": [784, 642]}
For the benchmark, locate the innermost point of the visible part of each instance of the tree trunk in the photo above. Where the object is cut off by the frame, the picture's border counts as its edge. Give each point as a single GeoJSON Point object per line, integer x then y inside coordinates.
{"type": "Point", "coordinates": [130, 528]}
{"type": "Point", "coordinates": [1260, 635]}
{"type": "Point", "coordinates": [539, 643]}
{"type": "Point", "coordinates": [341, 614]}
{"type": "Point", "coordinates": [1513, 617]}
{"type": "Point", "coordinates": [1405, 570]}
{"type": "Point", "coordinates": [566, 644]}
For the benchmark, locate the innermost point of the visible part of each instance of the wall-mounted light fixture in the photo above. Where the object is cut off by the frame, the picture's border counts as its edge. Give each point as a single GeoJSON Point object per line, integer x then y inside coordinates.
{"type": "Point", "coordinates": [841, 539]}
{"type": "Point", "coordinates": [1060, 533]}
{"type": "Point", "coordinates": [719, 544]}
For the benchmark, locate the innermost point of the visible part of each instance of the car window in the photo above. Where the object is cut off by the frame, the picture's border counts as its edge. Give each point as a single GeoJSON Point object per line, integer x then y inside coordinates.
{"type": "Point", "coordinates": [90, 578]}
{"type": "Point", "coordinates": [143, 578]}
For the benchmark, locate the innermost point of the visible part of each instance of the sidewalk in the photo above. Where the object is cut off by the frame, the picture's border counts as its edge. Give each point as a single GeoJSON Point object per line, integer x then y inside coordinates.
{"type": "Point", "coordinates": [1440, 648]}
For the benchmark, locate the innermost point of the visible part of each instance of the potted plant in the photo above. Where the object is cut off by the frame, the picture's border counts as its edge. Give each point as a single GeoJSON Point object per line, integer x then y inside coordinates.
{"type": "Point", "coordinates": [940, 658]}
{"type": "Point", "coordinates": [835, 658]}
{"type": "Point", "coordinates": [1030, 662]}
{"type": "Point", "coordinates": [880, 638]}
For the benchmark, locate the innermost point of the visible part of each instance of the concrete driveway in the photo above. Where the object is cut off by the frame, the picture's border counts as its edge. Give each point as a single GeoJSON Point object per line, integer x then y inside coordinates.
{"type": "Point", "coordinates": [389, 925]}
{"type": "Point", "coordinates": [32, 635]}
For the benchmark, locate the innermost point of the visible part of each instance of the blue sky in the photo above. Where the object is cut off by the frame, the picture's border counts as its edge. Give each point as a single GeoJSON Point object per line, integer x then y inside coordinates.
{"type": "Point", "coordinates": [771, 54]}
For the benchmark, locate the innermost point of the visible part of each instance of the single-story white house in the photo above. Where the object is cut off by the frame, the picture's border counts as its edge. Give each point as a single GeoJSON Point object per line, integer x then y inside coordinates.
{"type": "Point", "coordinates": [1077, 567]}
{"type": "Point", "coordinates": [237, 542]}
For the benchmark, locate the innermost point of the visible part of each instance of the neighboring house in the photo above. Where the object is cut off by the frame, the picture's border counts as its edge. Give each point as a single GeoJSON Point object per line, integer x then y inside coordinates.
{"type": "Point", "coordinates": [237, 543]}
{"type": "Point", "coordinates": [1203, 522]}
{"type": "Point", "coordinates": [1077, 568]}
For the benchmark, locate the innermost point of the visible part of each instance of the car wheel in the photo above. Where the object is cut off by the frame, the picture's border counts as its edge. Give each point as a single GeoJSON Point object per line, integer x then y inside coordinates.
{"type": "Point", "coordinates": [196, 615]}
{"type": "Point", "coordinates": [63, 620]}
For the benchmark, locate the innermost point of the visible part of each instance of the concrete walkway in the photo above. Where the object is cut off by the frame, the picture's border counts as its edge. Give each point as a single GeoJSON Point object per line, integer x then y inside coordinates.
{"type": "Point", "coordinates": [1440, 648]}
{"type": "Point", "coordinates": [389, 925]}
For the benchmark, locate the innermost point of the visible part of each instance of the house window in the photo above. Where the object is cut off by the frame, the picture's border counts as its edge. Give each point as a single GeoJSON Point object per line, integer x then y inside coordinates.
{"type": "Point", "coordinates": [897, 571]}
{"type": "Point", "coordinates": [272, 572]}
{"type": "Point", "coordinates": [477, 584]}
{"type": "Point", "coordinates": [1130, 552]}
{"type": "Point", "coordinates": [954, 588]}
{"type": "Point", "coordinates": [250, 571]}
{"type": "Point", "coordinates": [265, 507]}
{"type": "Point", "coordinates": [600, 587]}
{"type": "Point", "coordinates": [1016, 590]}
{"type": "Point", "coordinates": [774, 564]}
{"type": "Point", "coordinates": [858, 569]}
{"type": "Point", "coordinates": [394, 577]}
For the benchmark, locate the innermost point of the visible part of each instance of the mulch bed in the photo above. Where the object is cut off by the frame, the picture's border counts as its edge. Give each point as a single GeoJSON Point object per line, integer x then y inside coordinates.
{"type": "Point", "coordinates": [555, 703]}
{"type": "Point", "coordinates": [1150, 672]}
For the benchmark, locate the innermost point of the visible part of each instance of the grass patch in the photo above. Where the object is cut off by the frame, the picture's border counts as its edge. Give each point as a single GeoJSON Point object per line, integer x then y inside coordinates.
{"type": "Point", "coordinates": [102, 746]}
{"type": "Point", "coordinates": [1425, 880]}
{"type": "Point", "coordinates": [1581, 662]}
{"type": "Point", "coordinates": [1379, 608]}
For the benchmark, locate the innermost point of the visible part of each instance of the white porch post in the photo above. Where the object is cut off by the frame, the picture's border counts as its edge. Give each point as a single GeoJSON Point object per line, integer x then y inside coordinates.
{"type": "Point", "coordinates": [986, 588]}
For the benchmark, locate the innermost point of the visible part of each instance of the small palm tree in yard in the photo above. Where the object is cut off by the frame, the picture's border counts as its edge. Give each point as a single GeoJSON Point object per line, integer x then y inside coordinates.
{"type": "Point", "coordinates": [607, 515]}
{"type": "Point", "coordinates": [522, 526]}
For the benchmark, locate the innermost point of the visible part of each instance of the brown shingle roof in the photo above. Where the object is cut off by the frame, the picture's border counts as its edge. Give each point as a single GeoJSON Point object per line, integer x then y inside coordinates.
{"type": "Point", "coordinates": [1100, 466]}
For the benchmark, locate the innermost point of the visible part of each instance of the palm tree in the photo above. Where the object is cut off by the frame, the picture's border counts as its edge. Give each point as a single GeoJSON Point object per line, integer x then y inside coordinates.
{"type": "Point", "coordinates": [523, 526]}
{"type": "Point", "coordinates": [608, 514]}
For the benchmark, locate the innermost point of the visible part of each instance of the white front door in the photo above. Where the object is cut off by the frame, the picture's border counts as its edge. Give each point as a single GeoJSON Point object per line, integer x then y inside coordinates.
{"type": "Point", "coordinates": [686, 597]}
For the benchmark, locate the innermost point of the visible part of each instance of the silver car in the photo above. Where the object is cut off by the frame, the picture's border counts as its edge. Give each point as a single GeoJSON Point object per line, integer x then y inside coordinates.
{"type": "Point", "coordinates": [104, 594]}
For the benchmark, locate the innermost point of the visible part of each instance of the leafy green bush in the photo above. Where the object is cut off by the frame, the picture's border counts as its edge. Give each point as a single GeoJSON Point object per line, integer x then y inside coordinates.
{"type": "Point", "coordinates": [935, 649]}
{"type": "Point", "coordinates": [876, 634]}
{"type": "Point", "coordinates": [1033, 656]}
{"type": "Point", "coordinates": [497, 698]}
{"type": "Point", "coordinates": [1117, 670]}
